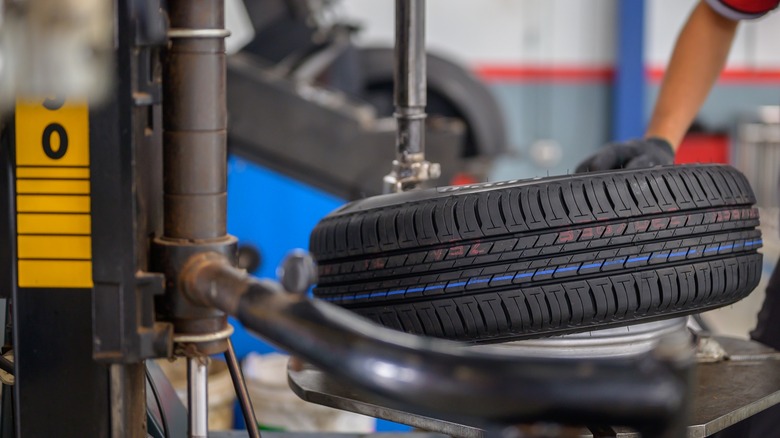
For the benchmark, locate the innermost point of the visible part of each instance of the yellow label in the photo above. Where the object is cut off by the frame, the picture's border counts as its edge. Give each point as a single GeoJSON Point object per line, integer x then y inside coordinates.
{"type": "Point", "coordinates": [76, 224]}
{"type": "Point", "coordinates": [52, 137]}
{"type": "Point", "coordinates": [54, 246]}
{"type": "Point", "coordinates": [53, 172]}
{"type": "Point", "coordinates": [52, 203]}
{"type": "Point", "coordinates": [52, 186]}
{"type": "Point", "coordinates": [55, 273]}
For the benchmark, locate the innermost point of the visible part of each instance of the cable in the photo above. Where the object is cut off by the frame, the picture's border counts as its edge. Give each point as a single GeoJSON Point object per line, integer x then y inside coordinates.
{"type": "Point", "coordinates": [6, 365]}
{"type": "Point", "coordinates": [156, 395]}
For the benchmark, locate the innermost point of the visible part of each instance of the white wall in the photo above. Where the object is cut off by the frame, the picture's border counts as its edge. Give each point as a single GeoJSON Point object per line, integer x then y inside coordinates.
{"type": "Point", "coordinates": [504, 32]}
{"type": "Point", "coordinates": [578, 33]}
{"type": "Point", "coordinates": [755, 47]}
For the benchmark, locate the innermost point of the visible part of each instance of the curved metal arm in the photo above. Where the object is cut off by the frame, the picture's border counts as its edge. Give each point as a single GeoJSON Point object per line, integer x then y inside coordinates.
{"type": "Point", "coordinates": [442, 378]}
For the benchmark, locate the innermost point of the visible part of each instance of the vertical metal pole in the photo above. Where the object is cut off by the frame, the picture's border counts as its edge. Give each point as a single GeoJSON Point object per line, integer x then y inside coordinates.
{"type": "Point", "coordinates": [195, 121]}
{"type": "Point", "coordinates": [197, 397]}
{"type": "Point", "coordinates": [243, 395]}
{"type": "Point", "coordinates": [128, 400]}
{"type": "Point", "coordinates": [410, 168]}
{"type": "Point", "coordinates": [410, 78]}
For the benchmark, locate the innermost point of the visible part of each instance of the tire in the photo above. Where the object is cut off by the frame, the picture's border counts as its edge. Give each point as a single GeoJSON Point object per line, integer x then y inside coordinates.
{"type": "Point", "coordinates": [534, 258]}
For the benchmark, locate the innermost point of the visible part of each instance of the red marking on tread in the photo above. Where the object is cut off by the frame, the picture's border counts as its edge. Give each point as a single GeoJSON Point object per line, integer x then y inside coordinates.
{"type": "Point", "coordinates": [658, 224]}
{"type": "Point", "coordinates": [377, 264]}
{"type": "Point", "coordinates": [587, 234]}
{"type": "Point", "coordinates": [457, 251]}
{"type": "Point", "coordinates": [676, 221]}
{"type": "Point", "coordinates": [615, 230]}
{"type": "Point", "coordinates": [641, 226]}
{"type": "Point", "coordinates": [438, 254]}
{"type": "Point", "coordinates": [475, 250]}
{"type": "Point", "coordinates": [565, 236]}
{"type": "Point", "coordinates": [736, 215]}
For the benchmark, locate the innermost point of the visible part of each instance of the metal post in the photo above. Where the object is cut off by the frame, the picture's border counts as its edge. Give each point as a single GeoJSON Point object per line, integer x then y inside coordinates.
{"type": "Point", "coordinates": [410, 168]}
{"type": "Point", "coordinates": [410, 90]}
{"type": "Point", "coordinates": [195, 185]}
{"type": "Point", "coordinates": [197, 397]}
{"type": "Point", "coordinates": [195, 167]}
{"type": "Point", "coordinates": [195, 121]}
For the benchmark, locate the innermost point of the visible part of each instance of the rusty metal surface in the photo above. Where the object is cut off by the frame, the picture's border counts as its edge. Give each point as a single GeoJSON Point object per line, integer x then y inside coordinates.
{"type": "Point", "coordinates": [195, 124]}
{"type": "Point", "coordinates": [195, 165]}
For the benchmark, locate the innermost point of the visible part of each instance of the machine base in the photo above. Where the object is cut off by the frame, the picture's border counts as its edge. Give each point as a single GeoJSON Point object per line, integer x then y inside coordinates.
{"type": "Point", "coordinates": [725, 393]}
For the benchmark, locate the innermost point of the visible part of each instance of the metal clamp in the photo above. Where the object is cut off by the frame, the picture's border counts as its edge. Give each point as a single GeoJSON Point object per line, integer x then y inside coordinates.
{"type": "Point", "coordinates": [198, 33]}
{"type": "Point", "coordinates": [410, 174]}
{"type": "Point", "coordinates": [208, 337]}
{"type": "Point", "coordinates": [410, 169]}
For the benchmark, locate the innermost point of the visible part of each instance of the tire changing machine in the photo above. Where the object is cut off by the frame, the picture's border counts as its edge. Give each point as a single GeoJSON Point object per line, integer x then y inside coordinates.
{"type": "Point", "coordinates": [113, 250]}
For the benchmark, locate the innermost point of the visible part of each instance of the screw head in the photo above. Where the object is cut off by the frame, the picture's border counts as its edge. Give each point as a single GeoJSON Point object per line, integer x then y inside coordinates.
{"type": "Point", "coordinates": [298, 272]}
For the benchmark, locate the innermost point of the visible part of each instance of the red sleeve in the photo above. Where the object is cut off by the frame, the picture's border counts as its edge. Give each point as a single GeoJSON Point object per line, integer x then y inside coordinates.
{"type": "Point", "coordinates": [743, 9]}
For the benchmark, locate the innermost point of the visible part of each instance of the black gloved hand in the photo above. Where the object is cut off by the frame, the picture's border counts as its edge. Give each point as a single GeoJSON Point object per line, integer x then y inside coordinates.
{"type": "Point", "coordinates": [633, 154]}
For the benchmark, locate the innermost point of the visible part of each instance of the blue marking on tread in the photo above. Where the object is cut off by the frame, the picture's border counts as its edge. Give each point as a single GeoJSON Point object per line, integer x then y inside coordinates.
{"type": "Point", "coordinates": [710, 249]}
{"type": "Point", "coordinates": [613, 262]}
{"type": "Point", "coordinates": [737, 245]}
{"type": "Point", "coordinates": [676, 254]}
{"type": "Point", "coordinates": [524, 275]}
{"type": "Point", "coordinates": [570, 268]}
{"type": "Point", "coordinates": [458, 284]}
{"type": "Point", "coordinates": [396, 292]}
{"type": "Point", "coordinates": [479, 280]}
{"type": "Point", "coordinates": [360, 297]}
{"type": "Point", "coordinates": [661, 256]}
{"type": "Point", "coordinates": [417, 289]}
{"type": "Point", "coordinates": [435, 286]}
{"type": "Point", "coordinates": [727, 247]}
{"type": "Point", "coordinates": [505, 277]}
{"type": "Point", "coordinates": [638, 259]}
{"type": "Point", "coordinates": [592, 265]}
{"type": "Point", "coordinates": [691, 251]}
{"type": "Point", "coordinates": [548, 271]}
{"type": "Point", "coordinates": [377, 294]}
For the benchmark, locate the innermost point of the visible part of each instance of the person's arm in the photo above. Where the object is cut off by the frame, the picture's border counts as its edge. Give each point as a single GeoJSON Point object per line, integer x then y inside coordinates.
{"type": "Point", "coordinates": [699, 56]}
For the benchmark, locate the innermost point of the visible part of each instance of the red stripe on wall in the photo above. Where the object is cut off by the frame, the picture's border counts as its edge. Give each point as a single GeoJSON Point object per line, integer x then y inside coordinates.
{"type": "Point", "coordinates": [498, 73]}
{"type": "Point", "coordinates": [737, 76]}
{"type": "Point", "coordinates": [568, 74]}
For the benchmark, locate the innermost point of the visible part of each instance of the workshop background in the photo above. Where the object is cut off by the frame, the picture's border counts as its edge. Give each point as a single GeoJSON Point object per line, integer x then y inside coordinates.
{"type": "Point", "coordinates": [570, 76]}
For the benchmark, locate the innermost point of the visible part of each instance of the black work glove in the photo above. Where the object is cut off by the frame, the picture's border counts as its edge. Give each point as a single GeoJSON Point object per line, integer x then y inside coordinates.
{"type": "Point", "coordinates": [633, 154]}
